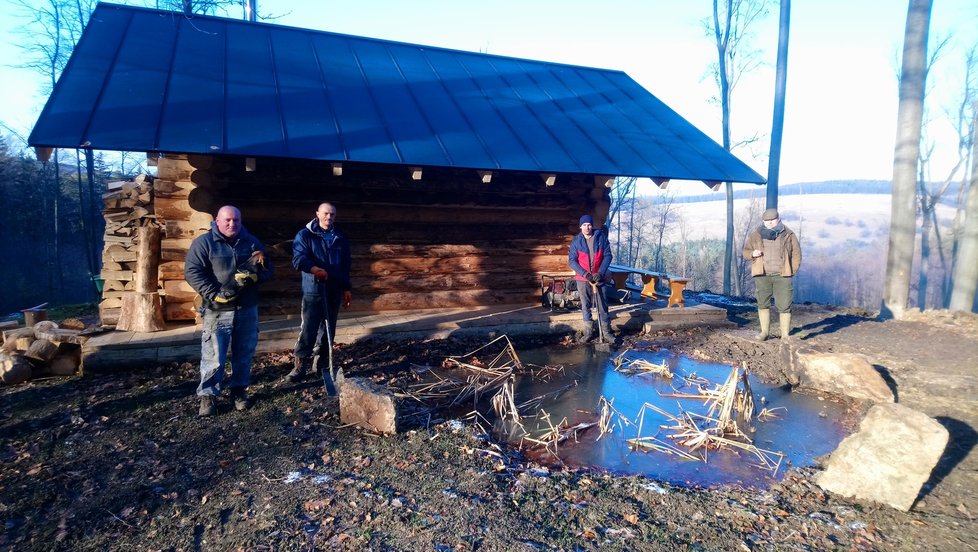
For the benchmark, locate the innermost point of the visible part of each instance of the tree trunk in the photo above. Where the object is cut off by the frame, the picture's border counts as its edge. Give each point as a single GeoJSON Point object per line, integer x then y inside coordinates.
{"type": "Point", "coordinates": [899, 260]}
{"type": "Point", "coordinates": [777, 124]}
{"type": "Point", "coordinates": [923, 278]}
{"type": "Point", "coordinates": [966, 264]}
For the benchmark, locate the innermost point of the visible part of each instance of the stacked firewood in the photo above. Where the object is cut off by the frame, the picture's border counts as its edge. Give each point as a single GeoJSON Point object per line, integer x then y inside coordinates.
{"type": "Point", "coordinates": [44, 349]}
{"type": "Point", "coordinates": [127, 205]}
{"type": "Point", "coordinates": [184, 198]}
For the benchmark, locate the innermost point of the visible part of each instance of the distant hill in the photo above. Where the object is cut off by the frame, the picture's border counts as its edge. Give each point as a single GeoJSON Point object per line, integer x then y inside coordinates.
{"type": "Point", "coordinates": [883, 187]}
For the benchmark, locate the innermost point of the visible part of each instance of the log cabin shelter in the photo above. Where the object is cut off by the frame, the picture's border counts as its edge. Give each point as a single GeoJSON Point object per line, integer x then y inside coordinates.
{"type": "Point", "coordinates": [458, 176]}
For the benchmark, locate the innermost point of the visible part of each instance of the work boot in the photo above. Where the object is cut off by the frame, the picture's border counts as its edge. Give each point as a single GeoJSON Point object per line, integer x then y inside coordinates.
{"type": "Point", "coordinates": [299, 368]}
{"type": "Point", "coordinates": [241, 400]}
{"type": "Point", "coordinates": [785, 321]}
{"type": "Point", "coordinates": [606, 333]}
{"type": "Point", "coordinates": [206, 406]}
{"type": "Point", "coordinates": [764, 317]}
{"type": "Point", "coordinates": [588, 333]}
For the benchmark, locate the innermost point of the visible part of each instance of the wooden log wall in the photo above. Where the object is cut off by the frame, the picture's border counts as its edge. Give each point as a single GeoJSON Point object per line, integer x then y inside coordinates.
{"type": "Point", "coordinates": [448, 240]}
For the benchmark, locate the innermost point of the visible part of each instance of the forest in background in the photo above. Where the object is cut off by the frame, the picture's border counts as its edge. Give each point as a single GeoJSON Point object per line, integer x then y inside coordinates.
{"type": "Point", "coordinates": [844, 240]}
{"type": "Point", "coordinates": [52, 242]}
{"type": "Point", "coordinates": [50, 231]}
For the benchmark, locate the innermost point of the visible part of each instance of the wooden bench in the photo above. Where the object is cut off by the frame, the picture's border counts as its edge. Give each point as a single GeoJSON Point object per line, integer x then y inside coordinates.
{"type": "Point", "coordinates": [650, 283]}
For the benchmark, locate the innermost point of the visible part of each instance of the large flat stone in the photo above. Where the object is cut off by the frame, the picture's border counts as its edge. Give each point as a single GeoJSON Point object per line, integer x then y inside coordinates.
{"type": "Point", "coordinates": [845, 374]}
{"type": "Point", "coordinates": [888, 459]}
{"type": "Point", "coordinates": [368, 405]}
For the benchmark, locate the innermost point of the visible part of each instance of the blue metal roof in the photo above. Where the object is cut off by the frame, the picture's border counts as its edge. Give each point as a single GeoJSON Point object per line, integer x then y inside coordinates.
{"type": "Point", "coordinates": [142, 79]}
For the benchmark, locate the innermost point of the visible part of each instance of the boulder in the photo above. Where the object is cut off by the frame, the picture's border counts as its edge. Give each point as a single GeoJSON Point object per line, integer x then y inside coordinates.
{"type": "Point", "coordinates": [846, 374]}
{"type": "Point", "coordinates": [889, 459]}
{"type": "Point", "coordinates": [368, 405]}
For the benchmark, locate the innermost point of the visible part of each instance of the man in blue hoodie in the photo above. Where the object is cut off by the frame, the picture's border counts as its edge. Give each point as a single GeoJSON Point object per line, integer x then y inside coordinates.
{"type": "Point", "coordinates": [322, 253]}
{"type": "Point", "coordinates": [225, 266]}
{"type": "Point", "coordinates": [590, 258]}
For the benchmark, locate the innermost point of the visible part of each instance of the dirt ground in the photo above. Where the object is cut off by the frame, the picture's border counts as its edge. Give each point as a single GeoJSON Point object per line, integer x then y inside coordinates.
{"type": "Point", "coordinates": [120, 461]}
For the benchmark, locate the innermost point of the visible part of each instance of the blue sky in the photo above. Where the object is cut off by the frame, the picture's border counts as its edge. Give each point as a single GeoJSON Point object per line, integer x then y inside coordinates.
{"type": "Point", "coordinates": [842, 90]}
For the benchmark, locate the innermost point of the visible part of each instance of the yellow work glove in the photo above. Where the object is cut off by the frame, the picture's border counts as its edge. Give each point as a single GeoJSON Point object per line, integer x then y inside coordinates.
{"type": "Point", "coordinates": [245, 278]}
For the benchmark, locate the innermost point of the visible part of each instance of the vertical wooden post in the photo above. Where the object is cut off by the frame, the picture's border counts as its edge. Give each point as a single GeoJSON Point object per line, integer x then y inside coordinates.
{"type": "Point", "coordinates": [142, 310]}
{"type": "Point", "coordinates": [148, 259]}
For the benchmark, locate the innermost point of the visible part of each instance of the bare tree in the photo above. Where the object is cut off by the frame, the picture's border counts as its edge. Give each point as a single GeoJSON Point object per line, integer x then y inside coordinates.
{"type": "Point", "coordinates": [964, 122]}
{"type": "Point", "coordinates": [899, 262]}
{"type": "Point", "coordinates": [966, 266]}
{"type": "Point", "coordinates": [730, 28]}
{"type": "Point", "coordinates": [621, 198]}
{"type": "Point", "coordinates": [929, 196]}
{"type": "Point", "coordinates": [662, 216]}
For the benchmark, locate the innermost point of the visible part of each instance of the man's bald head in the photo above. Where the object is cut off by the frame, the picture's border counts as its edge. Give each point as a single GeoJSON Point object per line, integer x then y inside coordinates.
{"type": "Point", "coordinates": [229, 221]}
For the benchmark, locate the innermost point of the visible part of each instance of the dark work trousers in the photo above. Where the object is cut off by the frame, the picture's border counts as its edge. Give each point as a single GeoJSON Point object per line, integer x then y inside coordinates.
{"type": "Point", "coordinates": [312, 332]}
{"type": "Point", "coordinates": [777, 285]}
{"type": "Point", "coordinates": [588, 301]}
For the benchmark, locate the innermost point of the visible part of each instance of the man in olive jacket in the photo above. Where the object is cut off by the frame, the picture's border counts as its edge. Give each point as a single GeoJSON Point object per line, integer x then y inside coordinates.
{"type": "Point", "coordinates": [775, 255]}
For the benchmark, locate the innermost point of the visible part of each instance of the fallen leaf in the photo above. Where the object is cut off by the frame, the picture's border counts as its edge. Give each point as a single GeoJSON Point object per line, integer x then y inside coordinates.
{"type": "Point", "coordinates": [36, 469]}
{"type": "Point", "coordinates": [632, 518]}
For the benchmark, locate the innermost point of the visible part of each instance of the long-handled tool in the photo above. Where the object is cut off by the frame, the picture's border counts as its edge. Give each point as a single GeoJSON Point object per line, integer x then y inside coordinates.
{"type": "Point", "coordinates": [604, 344]}
{"type": "Point", "coordinates": [329, 384]}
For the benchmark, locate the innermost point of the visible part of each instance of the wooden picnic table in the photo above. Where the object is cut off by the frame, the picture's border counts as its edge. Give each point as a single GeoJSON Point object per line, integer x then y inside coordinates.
{"type": "Point", "coordinates": [650, 283]}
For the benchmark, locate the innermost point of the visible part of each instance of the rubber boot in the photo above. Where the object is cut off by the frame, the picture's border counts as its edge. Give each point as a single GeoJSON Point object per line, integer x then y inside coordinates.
{"type": "Point", "coordinates": [588, 333]}
{"type": "Point", "coordinates": [764, 317]}
{"type": "Point", "coordinates": [606, 333]}
{"type": "Point", "coordinates": [785, 321]}
{"type": "Point", "coordinates": [299, 368]}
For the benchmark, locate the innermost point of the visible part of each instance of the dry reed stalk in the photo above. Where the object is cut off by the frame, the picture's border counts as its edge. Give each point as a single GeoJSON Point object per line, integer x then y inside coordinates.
{"type": "Point", "coordinates": [769, 413]}
{"type": "Point", "coordinates": [607, 417]}
{"type": "Point", "coordinates": [535, 402]}
{"type": "Point", "coordinates": [620, 359]}
{"type": "Point", "coordinates": [654, 443]}
{"type": "Point", "coordinates": [644, 367]}
{"type": "Point", "coordinates": [504, 405]}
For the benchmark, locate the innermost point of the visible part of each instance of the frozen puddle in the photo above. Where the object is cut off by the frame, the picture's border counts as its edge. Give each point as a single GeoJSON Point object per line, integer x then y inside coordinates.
{"type": "Point", "coordinates": [802, 428]}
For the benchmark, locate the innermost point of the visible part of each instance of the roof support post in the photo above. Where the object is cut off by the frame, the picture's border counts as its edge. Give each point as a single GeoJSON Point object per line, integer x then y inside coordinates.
{"type": "Point", "coordinates": [712, 184]}
{"type": "Point", "coordinates": [415, 173]}
{"type": "Point", "coordinates": [549, 179]}
{"type": "Point", "coordinates": [602, 180]}
{"type": "Point", "coordinates": [486, 176]}
{"type": "Point", "coordinates": [662, 183]}
{"type": "Point", "coordinates": [337, 169]}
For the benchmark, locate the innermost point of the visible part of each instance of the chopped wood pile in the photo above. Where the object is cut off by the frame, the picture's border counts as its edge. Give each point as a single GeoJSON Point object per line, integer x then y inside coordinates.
{"type": "Point", "coordinates": [45, 349]}
{"type": "Point", "coordinates": [127, 205]}
{"type": "Point", "coordinates": [184, 197]}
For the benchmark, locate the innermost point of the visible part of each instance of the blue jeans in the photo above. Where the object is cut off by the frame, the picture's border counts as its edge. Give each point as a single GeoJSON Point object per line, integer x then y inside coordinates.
{"type": "Point", "coordinates": [237, 329]}
{"type": "Point", "coordinates": [781, 287]}
{"type": "Point", "coordinates": [588, 299]}
{"type": "Point", "coordinates": [312, 334]}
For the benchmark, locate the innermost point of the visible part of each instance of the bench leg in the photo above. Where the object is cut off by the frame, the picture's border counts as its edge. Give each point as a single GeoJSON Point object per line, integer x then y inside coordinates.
{"type": "Point", "coordinates": [676, 288]}
{"type": "Point", "coordinates": [648, 286]}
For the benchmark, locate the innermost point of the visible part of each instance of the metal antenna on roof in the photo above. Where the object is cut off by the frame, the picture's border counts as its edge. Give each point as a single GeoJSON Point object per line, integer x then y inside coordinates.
{"type": "Point", "coordinates": [250, 10]}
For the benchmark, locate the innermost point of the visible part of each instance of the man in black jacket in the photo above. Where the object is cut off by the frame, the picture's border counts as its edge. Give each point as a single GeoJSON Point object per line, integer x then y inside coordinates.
{"type": "Point", "coordinates": [225, 266]}
{"type": "Point", "coordinates": [321, 253]}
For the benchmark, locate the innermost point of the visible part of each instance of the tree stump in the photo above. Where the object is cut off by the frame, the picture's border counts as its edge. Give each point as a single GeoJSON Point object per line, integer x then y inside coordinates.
{"type": "Point", "coordinates": [14, 368]}
{"type": "Point", "coordinates": [42, 351]}
{"type": "Point", "coordinates": [67, 362]}
{"type": "Point", "coordinates": [141, 312]}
